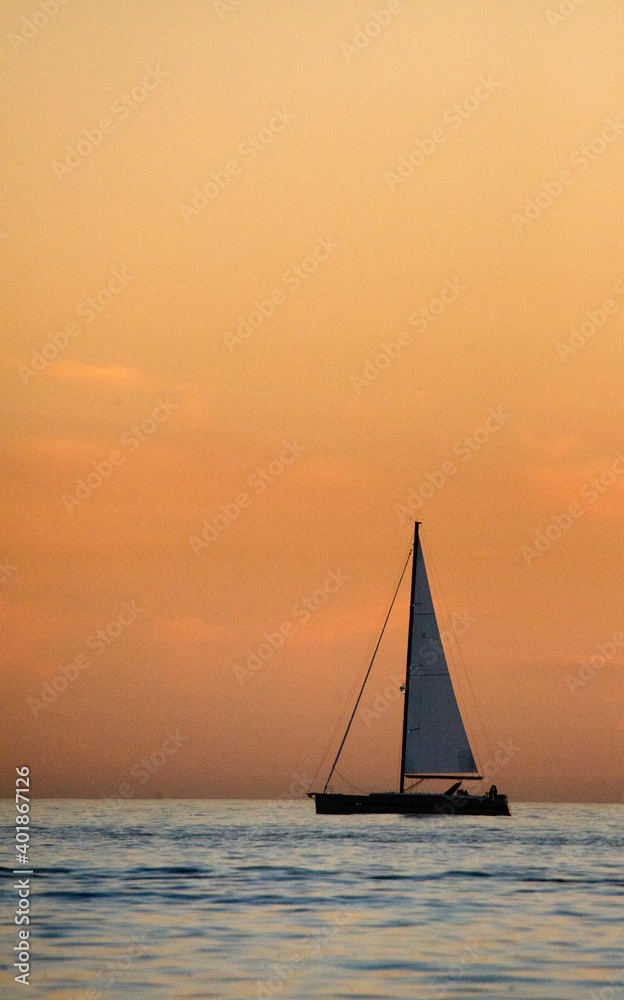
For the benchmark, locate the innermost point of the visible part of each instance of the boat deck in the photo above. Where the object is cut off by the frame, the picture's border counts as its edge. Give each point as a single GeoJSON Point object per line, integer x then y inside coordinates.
{"type": "Point", "coordinates": [411, 804]}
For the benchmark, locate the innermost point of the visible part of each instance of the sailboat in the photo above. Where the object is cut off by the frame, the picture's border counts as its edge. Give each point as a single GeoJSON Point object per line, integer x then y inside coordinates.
{"type": "Point", "coordinates": [434, 740]}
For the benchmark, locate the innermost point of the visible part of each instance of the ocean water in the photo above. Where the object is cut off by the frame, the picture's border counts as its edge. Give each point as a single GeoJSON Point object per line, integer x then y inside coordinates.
{"type": "Point", "coordinates": [173, 900]}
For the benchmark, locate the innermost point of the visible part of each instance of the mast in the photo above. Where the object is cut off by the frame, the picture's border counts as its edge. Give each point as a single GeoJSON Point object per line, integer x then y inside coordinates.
{"type": "Point", "coordinates": [409, 656]}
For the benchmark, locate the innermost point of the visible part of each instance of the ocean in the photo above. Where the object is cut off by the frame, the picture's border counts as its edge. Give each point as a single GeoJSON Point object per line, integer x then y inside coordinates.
{"type": "Point", "coordinates": [173, 900]}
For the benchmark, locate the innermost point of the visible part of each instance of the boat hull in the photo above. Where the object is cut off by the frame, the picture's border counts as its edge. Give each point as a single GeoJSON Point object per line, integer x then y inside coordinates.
{"type": "Point", "coordinates": [411, 804]}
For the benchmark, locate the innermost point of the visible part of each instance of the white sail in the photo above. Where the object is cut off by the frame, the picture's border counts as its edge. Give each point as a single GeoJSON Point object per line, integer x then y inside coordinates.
{"type": "Point", "coordinates": [436, 741]}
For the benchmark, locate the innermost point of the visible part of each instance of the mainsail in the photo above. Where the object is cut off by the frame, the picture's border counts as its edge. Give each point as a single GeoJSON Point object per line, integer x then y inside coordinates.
{"type": "Point", "coordinates": [435, 739]}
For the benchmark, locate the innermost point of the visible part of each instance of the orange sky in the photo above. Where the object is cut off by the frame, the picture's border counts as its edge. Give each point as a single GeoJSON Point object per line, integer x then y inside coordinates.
{"type": "Point", "coordinates": [273, 264]}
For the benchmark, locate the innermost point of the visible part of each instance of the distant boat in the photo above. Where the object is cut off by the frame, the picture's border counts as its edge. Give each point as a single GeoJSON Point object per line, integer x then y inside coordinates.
{"type": "Point", "coordinates": [434, 743]}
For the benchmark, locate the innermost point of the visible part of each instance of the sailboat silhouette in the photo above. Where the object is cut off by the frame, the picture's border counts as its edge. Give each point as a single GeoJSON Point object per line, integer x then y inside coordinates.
{"type": "Point", "coordinates": [434, 740]}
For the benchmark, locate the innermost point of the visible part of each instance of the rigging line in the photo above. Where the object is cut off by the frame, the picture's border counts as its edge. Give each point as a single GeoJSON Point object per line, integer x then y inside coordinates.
{"type": "Point", "coordinates": [380, 624]}
{"type": "Point", "coordinates": [340, 722]}
{"type": "Point", "coordinates": [369, 669]}
{"type": "Point", "coordinates": [357, 787]}
{"type": "Point", "coordinates": [475, 704]}
{"type": "Point", "coordinates": [415, 783]}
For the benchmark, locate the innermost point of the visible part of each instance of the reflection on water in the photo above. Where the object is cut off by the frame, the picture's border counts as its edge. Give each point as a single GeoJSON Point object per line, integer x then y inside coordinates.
{"type": "Point", "coordinates": [234, 899]}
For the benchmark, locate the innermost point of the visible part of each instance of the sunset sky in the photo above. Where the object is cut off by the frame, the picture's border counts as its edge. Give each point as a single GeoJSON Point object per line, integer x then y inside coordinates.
{"type": "Point", "coordinates": [278, 278]}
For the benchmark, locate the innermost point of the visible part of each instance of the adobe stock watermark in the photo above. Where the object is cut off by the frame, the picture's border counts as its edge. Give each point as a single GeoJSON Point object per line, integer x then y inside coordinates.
{"type": "Point", "coordinates": [453, 119]}
{"type": "Point", "coordinates": [591, 490]}
{"type": "Point", "coordinates": [470, 960]}
{"type": "Point", "coordinates": [429, 652]}
{"type": "Point", "coordinates": [581, 159]}
{"type": "Point", "coordinates": [559, 524]}
{"type": "Point", "coordinates": [500, 758]}
{"type": "Point", "coordinates": [293, 279]}
{"type": "Point", "coordinates": [87, 310]}
{"type": "Point", "coordinates": [378, 21]}
{"type": "Point", "coordinates": [607, 993]}
{"type": "Point", "coordinates": [7, 570]}
{"type": "Point", "coordinates": [280, 975]}
{"type": "Point", "coordinates": [259, 481]}
{"type": "Point", "coordinates": [614, 991]}
{"type": "Point", "coordinates": [591, 666]}
{"type": "Point", "coordinates": [224, 7]}
{"type": "Point", "coordinates": [248, 150]}
{"type": "Point", "coordinates": [147, 766]}
{"type": "Point", "coordinates": [96, 643]}
{"type": "Point", "coordinates": [421, 319]}
{"type": "Point", "coordinates": [302, 611]}
{"type": "Point", "coordinates": [565, 10]}
{"type": "Point", "coordinates": [505, 751]}
{"type": "Point", "coordinates": [119, 110]}
{"type": "Point", "coordinates": [464, 449]}
{"type": "Point", "coordinates": [31, 26]}
{"type": "Point", "coordinates": [558, 870]}
{"type": "Point", "coordinates": [131, 439]}
{"type": "Point", "coordinates": [383, 700]}
{"type": "Point", "coordinates": [117, 967]}
{"type": "Point", "coordinates": [298, 788]}
{"type": "Point", "coordinates": [594, 320]}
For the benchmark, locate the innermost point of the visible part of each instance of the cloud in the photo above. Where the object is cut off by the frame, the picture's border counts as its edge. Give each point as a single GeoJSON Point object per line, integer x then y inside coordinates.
{"type": "Point", "coordinates": [111, 374]}
{"type": "Point", "coordinates": [328, 471]}
{"type": "Point", "coordinates": [339, 624]}
{"type": "Point", "coordinates": [26, 449]}
{"type": "Point", "coordinates": [558, 446]}
{"type": "Point", "coordinates": [188, 630]}
{"type": "Point", "coordinates": [27, 628]}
